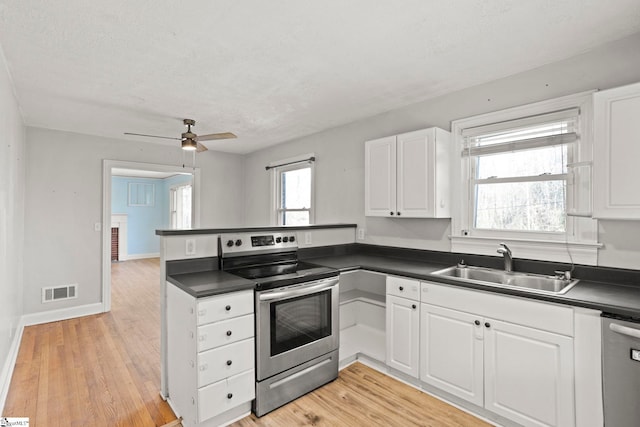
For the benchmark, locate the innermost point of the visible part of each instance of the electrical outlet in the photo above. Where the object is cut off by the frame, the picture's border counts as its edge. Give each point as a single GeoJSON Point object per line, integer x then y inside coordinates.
{"type": "Point", "coordinates": [190, 247]}
{"type": "Point", "coordinates": [360, 233]}
{"type": "Point", "coordinates": [307, 238]}
{"type": "Point", "coordinates": [97, 227]}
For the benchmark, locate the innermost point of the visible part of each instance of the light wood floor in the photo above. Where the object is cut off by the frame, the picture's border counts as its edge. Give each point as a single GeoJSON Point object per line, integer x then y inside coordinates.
{"type": "Point", "coordinates": [362, 396]}
{"type": "Point", "coordinates": [101, 370]}
{"type": "Point", "coordinates": [104, 370]}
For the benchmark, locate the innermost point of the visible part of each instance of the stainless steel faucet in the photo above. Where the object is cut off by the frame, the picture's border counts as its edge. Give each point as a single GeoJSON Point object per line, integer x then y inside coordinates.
{"type": "Point", "coordinates": [508, 259]}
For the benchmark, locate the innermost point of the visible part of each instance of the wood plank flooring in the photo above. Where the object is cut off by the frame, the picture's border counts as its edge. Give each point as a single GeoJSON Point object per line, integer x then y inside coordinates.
{"type": "Point", "coordinates": [104, 370]}
{"type": "Point", "coordinates": [362, 396]}
{"type": "Point", "coordinates": [101, 370]}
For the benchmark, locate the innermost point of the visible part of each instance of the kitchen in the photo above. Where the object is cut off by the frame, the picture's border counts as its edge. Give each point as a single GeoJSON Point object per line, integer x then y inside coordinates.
{"type": "Point", "coordinates": [33, 192]}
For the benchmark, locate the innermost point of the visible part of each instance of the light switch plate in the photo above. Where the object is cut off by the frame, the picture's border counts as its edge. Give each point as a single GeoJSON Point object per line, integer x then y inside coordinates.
{"type": "Point", "coordinates": [97, 226]}
{"type": "Point", "coordinates": [190, 247]}
{"type": "Point", "coordinates": [635, 355]}
{"type": "Point", "coordinates": [361, 233]}
{"type": "Point", "coordinates": [307, 238]}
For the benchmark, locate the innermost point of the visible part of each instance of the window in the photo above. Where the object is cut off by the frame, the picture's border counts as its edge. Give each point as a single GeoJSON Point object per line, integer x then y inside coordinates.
{"type": "Point", "coordinates": [294, 194]}
{"type": "Point", "coordinates": [141, 194]}
{"type": "Point", "coordinates": [180, 206]}
{"type": "Point", "coordinates": [518, 174]}
{"type": "Point", "coordinates": [524, 179]}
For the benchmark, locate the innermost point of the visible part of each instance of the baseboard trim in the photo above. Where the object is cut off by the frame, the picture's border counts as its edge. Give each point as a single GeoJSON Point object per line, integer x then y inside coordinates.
{"type": "Point", "coordinates": [62, 314]}
{"type": "Point", "coordinates": [9, 365]}
{"type": "Point", "coordinates": [130, 257]}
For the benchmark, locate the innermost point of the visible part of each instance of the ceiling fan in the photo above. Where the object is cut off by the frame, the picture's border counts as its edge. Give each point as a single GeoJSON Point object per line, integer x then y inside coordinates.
{"type": "Point", "coordinates": [191, 141]}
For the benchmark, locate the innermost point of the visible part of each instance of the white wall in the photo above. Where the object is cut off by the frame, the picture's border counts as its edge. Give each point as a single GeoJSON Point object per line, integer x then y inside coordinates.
{"type": "Point", "coordinates": [340, 151]}
{"type": "Point", "coordinates": [12, 185]}
{"type": "Point", "coordinates": [64, 201]}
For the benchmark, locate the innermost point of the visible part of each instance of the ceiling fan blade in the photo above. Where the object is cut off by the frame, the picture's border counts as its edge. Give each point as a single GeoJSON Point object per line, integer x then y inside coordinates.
{"type": "Point", "coordinates": [200, 147]}
{"type": "Point", "coordinates": [213, 136]}
{"type": "Point", "coordinates": [152, 136]}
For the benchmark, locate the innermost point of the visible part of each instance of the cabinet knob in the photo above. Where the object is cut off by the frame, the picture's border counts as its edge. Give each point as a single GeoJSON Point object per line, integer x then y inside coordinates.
{"type": "Point", "coordinates": [228, 333]}
{"type": "Point", "coordinates": [487, 324]}
{"type": "Point", "coordinates": [399, 213]}
{"type": "Point", "coordinates": [477, 323]}
{"type": "Point", "coordinates": [229, 362]}
{"type": "Point", "coordinates": [202, 337]}
{"type": "Point", "coordinates": [401, 288]}
{"type": "Point", "coordinates": [228, 308]}
{"type": "Point", "coordinates": [204, 367]}
{"type": "Point", "coordinates": [229, 395]}
{"type": "Point", "coordinates": [390, 213]}
{"type": "Point", "coordinates": [413, 306]}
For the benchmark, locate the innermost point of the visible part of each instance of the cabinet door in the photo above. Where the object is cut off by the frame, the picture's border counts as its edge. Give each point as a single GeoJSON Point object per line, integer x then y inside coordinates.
{"type": "Point", "coordinates": [616, 152]}
{"type": "Point", "coordinates": [416, 174]}
{"type": "Point", "coordinates": [451, 352]}
{"type": "Point", "coordinates": [380, 177]}
{"type": "Point", "coordinates": [528, 375]}
{"type": "Point", "coordinates": [403, 322]}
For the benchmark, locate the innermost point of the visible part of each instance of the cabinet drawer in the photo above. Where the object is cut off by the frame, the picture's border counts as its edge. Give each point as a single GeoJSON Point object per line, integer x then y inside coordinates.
{"type": "Point", "coordinates": [225, 332]}
{"type": "Point", "coordinates": [224, 306]}
{"type": "Point", "coordinates": [222, 362]}
{"type": "Point", "coordinates": [405, 288]}
{"type": "Point", "coordinates": [219, 397]}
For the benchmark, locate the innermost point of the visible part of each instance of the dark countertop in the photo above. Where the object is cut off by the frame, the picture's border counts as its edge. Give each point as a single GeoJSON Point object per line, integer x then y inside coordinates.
{"type": "Point", "coordinates": [618, 299]}
{"type": "Point", "coordinates": [207, 283]}
{"type": "Point", "coordinates": [610, 290]}
{"type": "Point", "coordinates": [250, 229]}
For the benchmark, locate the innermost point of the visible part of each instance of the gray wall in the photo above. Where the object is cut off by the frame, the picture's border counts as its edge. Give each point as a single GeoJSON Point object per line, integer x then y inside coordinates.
{"type": "Point", "coordinates": [340, 151]}
{"type": "Point", "coordinates": [12, 170]}
{"type": "Point", "coordinates": [64, 200]}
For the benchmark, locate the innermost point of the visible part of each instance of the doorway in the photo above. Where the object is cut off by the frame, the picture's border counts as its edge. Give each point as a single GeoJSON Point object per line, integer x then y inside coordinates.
{"type": "Point", "coordinates": [144, 193]}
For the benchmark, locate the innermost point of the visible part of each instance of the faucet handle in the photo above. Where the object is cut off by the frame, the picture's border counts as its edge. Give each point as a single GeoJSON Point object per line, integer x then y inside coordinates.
{"type": "Point", "coordinates": [563, 275]}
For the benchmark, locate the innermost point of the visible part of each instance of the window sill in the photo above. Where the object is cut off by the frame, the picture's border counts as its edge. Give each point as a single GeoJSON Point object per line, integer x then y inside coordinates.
{"type": "Point", "coordinates": [542, 250]}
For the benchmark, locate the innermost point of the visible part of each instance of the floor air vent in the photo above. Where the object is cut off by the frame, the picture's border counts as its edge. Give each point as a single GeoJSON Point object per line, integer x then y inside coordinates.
{"type": "Point", "coordinates": [59, 293]}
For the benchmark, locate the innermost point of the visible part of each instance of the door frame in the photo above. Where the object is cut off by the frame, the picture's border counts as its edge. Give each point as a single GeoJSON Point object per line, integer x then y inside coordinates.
{"type": "Point", "coordinates": [107, 167]}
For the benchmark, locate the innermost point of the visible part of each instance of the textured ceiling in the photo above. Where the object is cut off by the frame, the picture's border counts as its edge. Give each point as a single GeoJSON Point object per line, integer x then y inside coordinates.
{"type": "Point", "coordinates": [271, 71]}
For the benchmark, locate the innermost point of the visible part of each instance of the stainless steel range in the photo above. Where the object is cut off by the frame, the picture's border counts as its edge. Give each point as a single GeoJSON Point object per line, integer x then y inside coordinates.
{"type": "Point", "coordinates": [297, 315]}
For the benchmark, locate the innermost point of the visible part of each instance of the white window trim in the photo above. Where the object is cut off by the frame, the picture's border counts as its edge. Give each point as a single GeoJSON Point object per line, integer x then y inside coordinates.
{"type": "Point", "coordinates": [174, 188]}
{"type": "Point", "coordinates": [300, 161]}
{"type": "Point", "coordinates": [579, 247]}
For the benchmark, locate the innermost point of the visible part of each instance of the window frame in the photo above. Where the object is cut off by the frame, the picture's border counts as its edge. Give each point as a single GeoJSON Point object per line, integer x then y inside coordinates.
{"type": "Point", "coordinates": [577, 244]}
{"type": "Point", "coordinates": [298, 162]}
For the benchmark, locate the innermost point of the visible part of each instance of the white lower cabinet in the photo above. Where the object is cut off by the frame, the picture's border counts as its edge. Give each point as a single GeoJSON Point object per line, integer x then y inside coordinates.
{"type": "Point", "coordinates": [403, 325]}
{"type": "Point", "coordinates": [211, 356]}
{"type": "Point", "coordinates": [511, 356]}
{"type": "Point", "coordinates": [452, 352]}
{"type": "Point", "coordinates": [528, 374]}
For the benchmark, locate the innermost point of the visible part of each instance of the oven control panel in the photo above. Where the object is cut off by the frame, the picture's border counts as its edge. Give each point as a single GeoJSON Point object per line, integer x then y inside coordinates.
{"type": "Point", "coordinates": [248, 243]}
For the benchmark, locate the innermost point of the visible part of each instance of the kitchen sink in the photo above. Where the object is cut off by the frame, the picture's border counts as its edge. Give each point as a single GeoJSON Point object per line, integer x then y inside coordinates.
{"type": "Point", "coordinates": [529, 282]}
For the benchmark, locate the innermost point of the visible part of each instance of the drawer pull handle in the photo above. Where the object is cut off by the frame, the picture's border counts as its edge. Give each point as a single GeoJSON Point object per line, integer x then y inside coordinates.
{"type": "Point", "coordinates": [228, 333]}
{"type": "Point", "coordinates": [413, 306]}
{"type": "Point", "coordinates": [228, 308]}
{"type": "Point", "coordinates": [204, 367]}
{"type": "Point", "coordinates": [487, 324]}
{"type": "Point", "coordinates": [477, 322]}
{"type": "Point", "coordinates": [229, 362]}
{"type": "Point", "coordinates": [202, 337]}
{"type": "Point", "coordinates": [401, 288]}
{"type": "Point", "coordinates": [229, 395]}
{"type": "Point", "coordinates": [202, 312]}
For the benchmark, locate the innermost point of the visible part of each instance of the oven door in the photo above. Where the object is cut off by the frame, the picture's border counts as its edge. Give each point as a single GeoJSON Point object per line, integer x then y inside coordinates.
{"type": "Point", "coordinates": [296, 324]}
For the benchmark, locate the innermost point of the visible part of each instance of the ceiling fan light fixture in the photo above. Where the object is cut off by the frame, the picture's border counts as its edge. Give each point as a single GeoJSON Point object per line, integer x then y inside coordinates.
{"type": "Point", "coordinates": [189, 144]}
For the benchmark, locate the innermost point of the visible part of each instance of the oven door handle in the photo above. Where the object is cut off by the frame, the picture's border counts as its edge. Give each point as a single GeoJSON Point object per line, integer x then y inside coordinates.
{"type": "Point", "coordinates": [303, 290]}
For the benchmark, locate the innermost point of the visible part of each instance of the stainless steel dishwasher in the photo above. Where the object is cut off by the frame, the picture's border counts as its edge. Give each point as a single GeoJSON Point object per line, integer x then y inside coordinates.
{"type": "Point", "coordinates": [621, 371]}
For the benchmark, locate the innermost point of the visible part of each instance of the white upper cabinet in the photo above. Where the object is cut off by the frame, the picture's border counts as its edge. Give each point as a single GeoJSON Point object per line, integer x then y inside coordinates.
{"type": "Point", "coordinates": [616, 153]}
{"type": "Point", "coordinates": [380, 176]}
{"type": "Point", "coordinates": [407, 175]}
